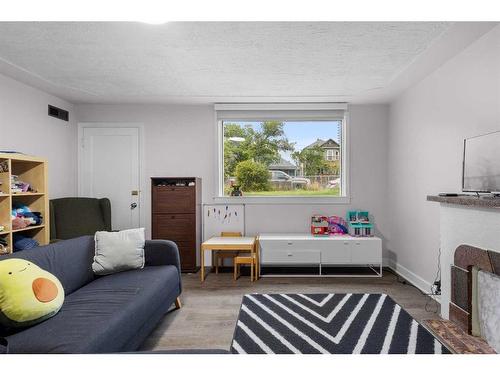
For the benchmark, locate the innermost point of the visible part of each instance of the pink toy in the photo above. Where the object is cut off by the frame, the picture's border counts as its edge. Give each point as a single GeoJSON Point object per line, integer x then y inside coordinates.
{"type": "Point", "coordinates": [337, 226]}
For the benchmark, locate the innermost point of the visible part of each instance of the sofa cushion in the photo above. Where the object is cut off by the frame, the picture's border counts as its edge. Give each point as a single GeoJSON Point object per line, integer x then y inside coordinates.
{"type": "Point", "coordinates": [70, 261]}
{"type": "Point", "coordinates": [103, 316]}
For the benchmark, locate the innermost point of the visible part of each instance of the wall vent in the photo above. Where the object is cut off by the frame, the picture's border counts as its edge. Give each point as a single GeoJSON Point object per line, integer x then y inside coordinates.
{"type": "Point", "coordinates": [59, 113]}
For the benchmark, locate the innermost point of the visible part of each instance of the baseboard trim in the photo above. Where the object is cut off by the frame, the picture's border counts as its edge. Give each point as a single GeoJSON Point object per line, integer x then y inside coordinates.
{"type": "Point", "coordinates": [413, 278]}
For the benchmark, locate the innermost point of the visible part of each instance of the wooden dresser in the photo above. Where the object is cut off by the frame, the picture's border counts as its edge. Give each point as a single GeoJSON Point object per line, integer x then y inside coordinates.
{"type": "Point", "coordinates": [176, 216]}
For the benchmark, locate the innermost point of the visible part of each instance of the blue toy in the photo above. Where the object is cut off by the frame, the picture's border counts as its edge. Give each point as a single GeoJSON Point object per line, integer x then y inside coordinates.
{"type": "Point", "coordinates": [359, 224]}
{"type": "Point", "coordinates": [22, 211]}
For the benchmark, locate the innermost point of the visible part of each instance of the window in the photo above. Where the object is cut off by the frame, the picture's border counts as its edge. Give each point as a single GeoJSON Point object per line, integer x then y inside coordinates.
{"type": "Point", "coordinates": [281, 152]}
{"type": "Point", "coordinates": [329, 154]}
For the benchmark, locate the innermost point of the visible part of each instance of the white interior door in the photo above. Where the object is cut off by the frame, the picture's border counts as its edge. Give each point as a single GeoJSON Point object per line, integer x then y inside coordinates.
{"type": "Point", "coordinates": [110, 168]}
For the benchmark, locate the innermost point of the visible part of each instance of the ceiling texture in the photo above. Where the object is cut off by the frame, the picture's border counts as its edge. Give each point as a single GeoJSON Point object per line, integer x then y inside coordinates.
{"type": "Point", "coordinates": [128, 62]}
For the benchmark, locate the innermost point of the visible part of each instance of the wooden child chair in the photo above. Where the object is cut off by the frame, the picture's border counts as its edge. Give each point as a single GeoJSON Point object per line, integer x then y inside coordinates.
{"type": "Point", "coordinates": [221, 255]}
{"type": "Point", "coordinates": [247, 258]}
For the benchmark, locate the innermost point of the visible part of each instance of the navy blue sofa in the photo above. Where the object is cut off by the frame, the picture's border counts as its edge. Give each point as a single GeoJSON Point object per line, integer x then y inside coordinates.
{"type": "Point", "coordinates": [100, 314]}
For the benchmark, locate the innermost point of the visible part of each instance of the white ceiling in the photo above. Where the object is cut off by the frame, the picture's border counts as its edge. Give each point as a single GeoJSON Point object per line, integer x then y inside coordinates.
{"type": "Point", "coordinates": [116, 62]}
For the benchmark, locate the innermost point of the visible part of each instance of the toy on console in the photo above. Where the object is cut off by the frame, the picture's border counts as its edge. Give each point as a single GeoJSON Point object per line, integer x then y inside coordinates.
{"type": "Point", "coordinates": [359, 224]}
{"type": "Point", "coordinates": [319, 225]}
{"type": "Point", "coordinates": [337, 226]}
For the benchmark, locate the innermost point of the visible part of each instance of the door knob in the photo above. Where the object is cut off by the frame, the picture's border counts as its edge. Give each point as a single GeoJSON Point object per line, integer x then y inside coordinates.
{"type": "Point", "coordinates": [133, 205]}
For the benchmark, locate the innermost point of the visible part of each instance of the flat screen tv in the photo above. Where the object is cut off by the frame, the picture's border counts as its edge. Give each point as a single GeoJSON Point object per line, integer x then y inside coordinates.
{"type": "Point", "coordinates": [481, 165]}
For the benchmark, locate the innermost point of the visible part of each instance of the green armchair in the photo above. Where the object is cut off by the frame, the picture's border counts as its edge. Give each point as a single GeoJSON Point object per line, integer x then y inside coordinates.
{"type": "Point", "coordinates": [75, 217]}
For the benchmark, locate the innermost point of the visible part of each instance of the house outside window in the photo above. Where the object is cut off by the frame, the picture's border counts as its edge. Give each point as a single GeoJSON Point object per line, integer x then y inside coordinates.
{"type": "Point", "coordinates": [281, 151]}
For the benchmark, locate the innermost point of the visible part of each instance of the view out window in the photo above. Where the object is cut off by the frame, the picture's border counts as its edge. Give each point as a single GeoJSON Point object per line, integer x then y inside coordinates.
{"type": "Point", "coordinates": [281, 157]}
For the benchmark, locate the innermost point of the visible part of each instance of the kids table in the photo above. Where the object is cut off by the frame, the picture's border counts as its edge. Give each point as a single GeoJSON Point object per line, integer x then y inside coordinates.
{"type": "Point", "coordinates": [228, 244]}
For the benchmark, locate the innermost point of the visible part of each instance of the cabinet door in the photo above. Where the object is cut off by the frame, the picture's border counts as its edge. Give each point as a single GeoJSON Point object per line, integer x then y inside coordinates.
{"type": "Point", "coordinates": [366, 251]}
{"type": "Point", "coordinates": [167, 200]}
{"type": "Point", "coordinates": [174, 227]}
{"type": "Point", "coordinates": [336, 252]}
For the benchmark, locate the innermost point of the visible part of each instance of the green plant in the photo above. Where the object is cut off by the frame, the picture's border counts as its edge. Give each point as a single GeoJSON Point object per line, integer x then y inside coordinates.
{"type": "Point", "coordinates": [252, 176]}
{"type": "Point", "coordinates": [312, 160]}
{"type": "Point", "coordinates": [262, 145]}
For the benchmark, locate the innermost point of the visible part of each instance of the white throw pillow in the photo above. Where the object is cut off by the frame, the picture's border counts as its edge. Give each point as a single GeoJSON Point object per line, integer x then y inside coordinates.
{"type": "Point", "coordinates": [118, 251]}
{"type": "Point", "coordinates": [489, 308]}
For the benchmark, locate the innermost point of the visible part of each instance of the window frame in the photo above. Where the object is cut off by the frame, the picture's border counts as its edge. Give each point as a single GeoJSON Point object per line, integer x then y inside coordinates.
{"type": "Point", "coordinates": [247, 109]}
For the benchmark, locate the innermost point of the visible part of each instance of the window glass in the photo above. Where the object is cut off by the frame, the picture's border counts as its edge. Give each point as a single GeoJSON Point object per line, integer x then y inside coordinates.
{"type": "Point", "coordinates": [282, 158]}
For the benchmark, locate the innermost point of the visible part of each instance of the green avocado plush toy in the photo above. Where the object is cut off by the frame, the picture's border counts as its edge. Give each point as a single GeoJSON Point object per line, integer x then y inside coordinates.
{"type": "Point", "coordinates": [28, 294]}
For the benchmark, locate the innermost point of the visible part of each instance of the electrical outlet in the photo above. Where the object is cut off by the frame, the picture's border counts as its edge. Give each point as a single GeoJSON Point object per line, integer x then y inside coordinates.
{"type": "Point", "coordinates": [437, 284]}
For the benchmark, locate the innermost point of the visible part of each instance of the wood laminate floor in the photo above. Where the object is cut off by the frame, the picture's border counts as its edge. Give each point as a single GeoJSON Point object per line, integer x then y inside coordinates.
{"type": "Point", "coordinates": [210, 310]}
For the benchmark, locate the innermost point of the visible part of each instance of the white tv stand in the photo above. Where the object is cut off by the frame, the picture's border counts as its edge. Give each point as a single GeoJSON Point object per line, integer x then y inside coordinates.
{"type": "Point", "coordinates": [302, 250]}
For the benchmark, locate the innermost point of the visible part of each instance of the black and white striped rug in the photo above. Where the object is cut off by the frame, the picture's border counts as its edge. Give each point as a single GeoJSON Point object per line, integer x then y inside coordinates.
{"type": "Point", "coordinates": [329, 323]}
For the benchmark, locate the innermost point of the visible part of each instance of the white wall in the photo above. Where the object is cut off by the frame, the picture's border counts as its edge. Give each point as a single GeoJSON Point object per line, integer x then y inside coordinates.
{"type": "Point", "coordinates": [427, 126]}
{"type": "Point", "coordinates": [180, 140]}
{"type": "Point", "coordinates": [26, 127]}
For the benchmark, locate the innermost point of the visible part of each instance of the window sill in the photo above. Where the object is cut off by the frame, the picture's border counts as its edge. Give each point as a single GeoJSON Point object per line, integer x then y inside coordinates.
{"type": "Point", "coordinates": [283, 200]}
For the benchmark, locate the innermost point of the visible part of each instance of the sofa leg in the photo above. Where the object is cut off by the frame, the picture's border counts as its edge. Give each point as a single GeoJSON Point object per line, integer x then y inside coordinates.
{"type": "Point", "coordinates": [178, 303]}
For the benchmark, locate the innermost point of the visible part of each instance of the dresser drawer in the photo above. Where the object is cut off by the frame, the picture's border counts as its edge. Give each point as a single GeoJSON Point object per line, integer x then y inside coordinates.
{"type": "Point", "coordinates": [174, 227]}
{"type": "Point", "coordinates": [187, 253]}
{"type": "Point", "coordinates": [168, 199]}
{"type": "Point", "coordinates": [290, 252]}
{"type": "Point", "coordinates": [291, 245]}
{"type": "Point", "coordinates": [290, 256]}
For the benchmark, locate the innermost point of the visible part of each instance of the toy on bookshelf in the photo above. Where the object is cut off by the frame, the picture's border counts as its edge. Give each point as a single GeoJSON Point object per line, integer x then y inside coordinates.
{"type": "Point", "coordinates": [23, 242]}
{"type": "Point", "coordinates": [22, 216]}
{"type": "Point", "coordinates": [359, 224]}
{"type": "Point", "coordinates": [4, 245]}
{"type": "Point", "coordinates": [4, 166]}
{"type": "Point", "coordinates": [18, 186]}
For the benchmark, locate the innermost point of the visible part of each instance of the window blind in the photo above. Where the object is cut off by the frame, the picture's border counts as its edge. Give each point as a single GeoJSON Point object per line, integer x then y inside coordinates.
{"type": "Point", "coordinates": [281, 111]}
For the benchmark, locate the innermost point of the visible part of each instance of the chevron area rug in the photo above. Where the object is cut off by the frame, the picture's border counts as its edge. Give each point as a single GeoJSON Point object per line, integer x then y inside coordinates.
{"type": "Point", "coordinates": [329, 323]}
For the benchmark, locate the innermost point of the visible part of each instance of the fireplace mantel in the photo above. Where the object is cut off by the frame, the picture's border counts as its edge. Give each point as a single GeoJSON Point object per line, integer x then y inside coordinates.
{"type": "Point", "coordinates": [465, 220]}
{"type": "Point", "coordinates": [467, 200]}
